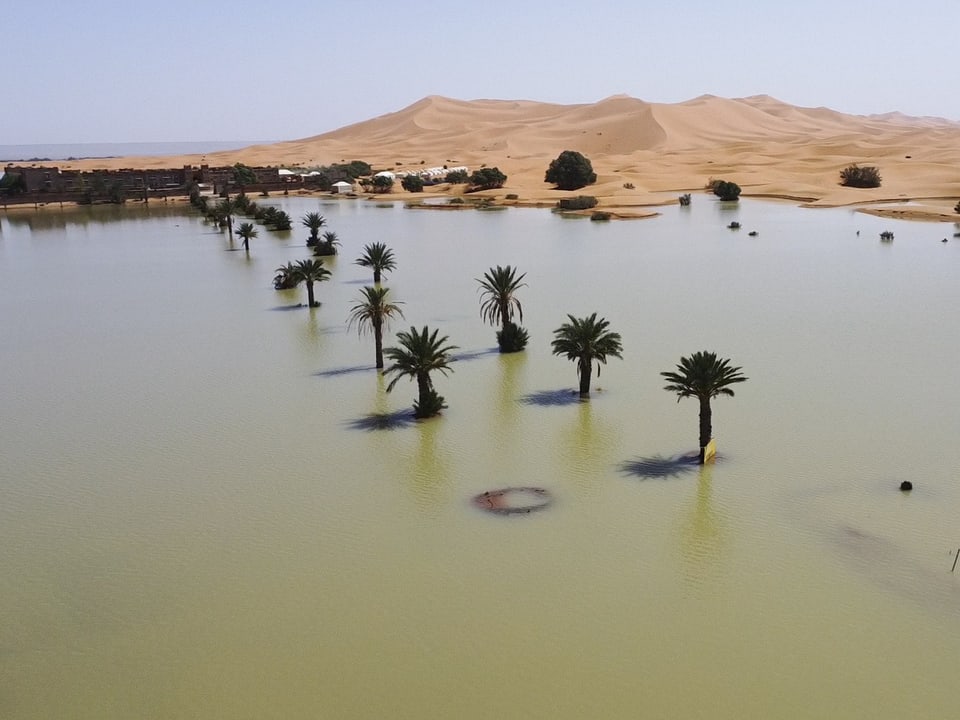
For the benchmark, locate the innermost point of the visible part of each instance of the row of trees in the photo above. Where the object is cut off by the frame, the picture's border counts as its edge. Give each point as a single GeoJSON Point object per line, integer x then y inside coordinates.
{"type": "Point", "coordinates": [420, 352]}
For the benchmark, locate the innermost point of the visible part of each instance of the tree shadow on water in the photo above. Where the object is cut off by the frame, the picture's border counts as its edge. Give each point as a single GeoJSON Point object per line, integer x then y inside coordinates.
{"type": "Point", "coordinates": [474, 354]}
{"type": "Point", "coordinates": [552, 398]}
{"type": "Point", "coordinates": [383, 421]}
{"type": "Point", "coordinates": [337, 372]}
{"type": "Point", "coordinates": [659, 467]}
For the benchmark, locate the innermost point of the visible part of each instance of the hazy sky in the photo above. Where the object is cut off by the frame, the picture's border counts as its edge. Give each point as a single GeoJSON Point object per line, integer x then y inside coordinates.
{"type": "Point", "coordinates": [178, 70]}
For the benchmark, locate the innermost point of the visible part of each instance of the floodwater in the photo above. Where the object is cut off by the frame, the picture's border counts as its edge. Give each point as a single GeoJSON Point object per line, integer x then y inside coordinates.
{"type": "Point", "coordinates": [201, 515]}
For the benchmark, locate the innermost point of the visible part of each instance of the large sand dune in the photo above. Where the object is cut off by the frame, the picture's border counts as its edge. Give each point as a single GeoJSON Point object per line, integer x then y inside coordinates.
{"type": "Point", "coordinates": [769, 147]}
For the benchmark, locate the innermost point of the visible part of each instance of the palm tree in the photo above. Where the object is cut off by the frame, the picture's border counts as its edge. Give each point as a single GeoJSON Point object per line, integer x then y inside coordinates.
{"type": "Point", "coordinates": [314, 221]}
{"type": "Point", "coordinates": [246, 231]}
{"type": "Point", "coordinates": [419, 354]}
{"type": "Point", "coordinates": [371, 313]}
{"type": "Point", "coordinates": [704, 376]}
{"type": "Point", "coordinates": [286, 277]}
{"type": "Point", "coordinates": [585, 340]}
{"type": "Point", "coordinates": [497, 303]}
{"type": "Point", "coordinates": [327, 246]}
{"type": "Point", "coordinates": [224, 211]}
{"type": "Point", "coordinates": [379, 257]}
{"type": "Point", "coordinates": [309, 272]}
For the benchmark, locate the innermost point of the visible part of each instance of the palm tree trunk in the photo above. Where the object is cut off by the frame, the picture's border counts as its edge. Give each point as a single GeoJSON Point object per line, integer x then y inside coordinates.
{"type": "Point", "coordinates": [376, 276]}
{"type": "Point", "coordinates": [310, 302]}
{"type": "Point", "coordinates": [424, 387]}
{"type": "Point", "coordinates": [706, 417]}
{"type": "Point", "coordinates": [230, 227]}
{"type": "Point", "coordinates": [378, 341]}
{"type": "Point", "coordinates": [585, 366]}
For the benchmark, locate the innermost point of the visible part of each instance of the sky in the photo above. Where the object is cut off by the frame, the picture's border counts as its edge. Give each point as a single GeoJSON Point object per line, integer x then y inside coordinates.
{"type": "Point", "coordinates": [107, 71]}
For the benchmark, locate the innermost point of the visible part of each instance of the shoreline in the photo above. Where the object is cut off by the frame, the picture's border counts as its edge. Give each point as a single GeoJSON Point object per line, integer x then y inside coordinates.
{"type": "Point", "coordinates": [930, 209]}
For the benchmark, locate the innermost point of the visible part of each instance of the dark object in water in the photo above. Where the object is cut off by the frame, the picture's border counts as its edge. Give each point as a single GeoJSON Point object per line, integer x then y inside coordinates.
{"type": "Point", "coordinates": [753, 233]}
{"type": "Point", "coordinates": [906, 486]}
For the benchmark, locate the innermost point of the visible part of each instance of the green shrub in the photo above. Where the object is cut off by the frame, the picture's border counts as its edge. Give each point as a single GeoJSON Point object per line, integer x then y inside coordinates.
{"type": "Point", "coordinates": [860, 177]}
{"type": "Point", "coordinates": [726, 191]}
{"type": "Point", "coordinates": [684, 200]}
{"type": "Point", "coordinates": [570, 171]}
{"type": "Point", "coordinates": [412, 183]}
{"type": "Point", "coordinates": [457, 176]}
{"type": "Point", "coordinates": [455, 201]}
{"type": "Point", "coordinates": [580, 202]}
{"type": "Point", "coordinates": [487, 179]}
{"type": "Point", "coordinates": [381, 183]}
{"type": "Point", "coordinates": [512, 338]}
{"type": "Point", "coordinates": [956, 208]}
{"type": "Point", "coordinates": [433, 404]}
{"type": "Point", "coordinates": [600, 216]}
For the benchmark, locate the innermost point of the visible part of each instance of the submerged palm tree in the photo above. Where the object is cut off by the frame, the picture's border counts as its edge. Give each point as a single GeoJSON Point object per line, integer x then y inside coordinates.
{"type": "Point", "coordinates": [419, 354]}
{"type": "Point", "coordinates": [313, 221]}
{"type": "Point", "coordinates": [704, 376]}
{"type": "Point", "coordinates": [585, 340]}
{"type": "Point", "coordinates": [286, 277]}
{"type": "Point", "coordinates": [372, 313]}
{"type": "Point", "coordinates": [327, 246]}
{"type": "Point", "coordinates": [246, 231]}
{"type": "Point", "coordinates": [224, 211]}
{"type": "Point", "coordinates": [497, 303]}
{"type": "Point", "coordinates": [379, 257]}
{"type": "Point", "coordinates": [309, 272]}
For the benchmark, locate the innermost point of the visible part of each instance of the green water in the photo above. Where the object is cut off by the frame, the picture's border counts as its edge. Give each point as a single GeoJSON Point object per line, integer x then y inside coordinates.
{"type": "Point", "coordinates": [195, 524]}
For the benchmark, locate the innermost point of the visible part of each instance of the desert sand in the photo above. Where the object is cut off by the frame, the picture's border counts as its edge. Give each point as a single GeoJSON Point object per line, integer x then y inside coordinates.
{"type": "Point", "coordinates": [768, 147]}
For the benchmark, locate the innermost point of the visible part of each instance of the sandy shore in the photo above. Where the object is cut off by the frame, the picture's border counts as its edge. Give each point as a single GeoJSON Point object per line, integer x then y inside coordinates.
{"type": "Point", "coordinates": [644, 154]}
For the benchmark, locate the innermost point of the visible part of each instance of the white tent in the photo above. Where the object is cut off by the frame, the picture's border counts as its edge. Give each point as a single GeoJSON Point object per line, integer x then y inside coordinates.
{"type": "Point", "coordinates": [342, 187]}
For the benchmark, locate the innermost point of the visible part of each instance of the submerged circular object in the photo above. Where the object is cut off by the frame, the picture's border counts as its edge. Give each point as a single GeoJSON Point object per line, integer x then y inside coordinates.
{"type": "Point", "coordinates": [513, 500]}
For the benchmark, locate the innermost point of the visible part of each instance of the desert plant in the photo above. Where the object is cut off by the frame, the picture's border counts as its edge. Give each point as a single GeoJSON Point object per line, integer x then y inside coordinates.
{"type": "Point", "coordinates": [313, 221]}
{"type": "Point", "coordinates": [280, 220]}
{"type": "Point", "coordinates": [704, 376]}
{"type": "Point", "coordinates": [580, 202]}
{"type": "Point", "coordinates": [286, 277]}
{"type": "Point", "coordinates": [487, 179]}
{"type": "Point", "coordinates": [378, 257]}
{"type": "Point", "coordinates": [418, 354]}
{"type": "Point", "coordinates": [498, 301]}
{"type": "Point", "coordinates": [886, 236]}
{"type": "Point", "coordinates": [457, 176]}
{"type": "Point", "coordinates": [726, 191]}
{"type": "Point", "coordinates": [734, 225]}
{"type": "Point", "coordinates": [512, 338]}
{"type": "Point", "coordinates": [956, 208]}
{"type": "Point", "coordinates": [585, 340]}
{"type": "Point", "coordinates": [381, 183]}
{"type": "Point", "coordinates": [246, 231]}
{"type": "Point", "coordinates": [309, 272]}
{"type": "Point", "coordinates": [684, 200]}
{"type": "Point", "coordinates": [629, 186]}
{"type": "Point", "coordinates": [570, 171]}
{"type": "Point", "coordinates": [328, 245]}
{"type": "Point", "coordinates": [511, 196]}
{"type": "Point", "coordinates": [860, 177]}
{"type": "Point", "coordinates": [412, 183]}
{"type": "Point", "coordinates": [600, 216]}
{"type": "Point", "coordinates": [372, 313]}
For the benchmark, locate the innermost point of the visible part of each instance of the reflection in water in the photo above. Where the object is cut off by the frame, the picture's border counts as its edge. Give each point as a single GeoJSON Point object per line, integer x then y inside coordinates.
{"type": "Point", "coordinates": [426, 474]}
{"type": "Point", "coordinates": [703, 534]}
{"type": "Point", "coordinates": [587, 444]}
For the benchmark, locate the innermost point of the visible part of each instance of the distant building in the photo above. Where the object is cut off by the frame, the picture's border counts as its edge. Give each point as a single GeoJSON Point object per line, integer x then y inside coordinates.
{"type": "Point", "coordinates": [341, 187]}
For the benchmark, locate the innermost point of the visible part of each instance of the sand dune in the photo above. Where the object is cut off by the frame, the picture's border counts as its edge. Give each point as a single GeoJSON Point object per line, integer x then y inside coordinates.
{"type": "Point", "coordinates": [767, 146]}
